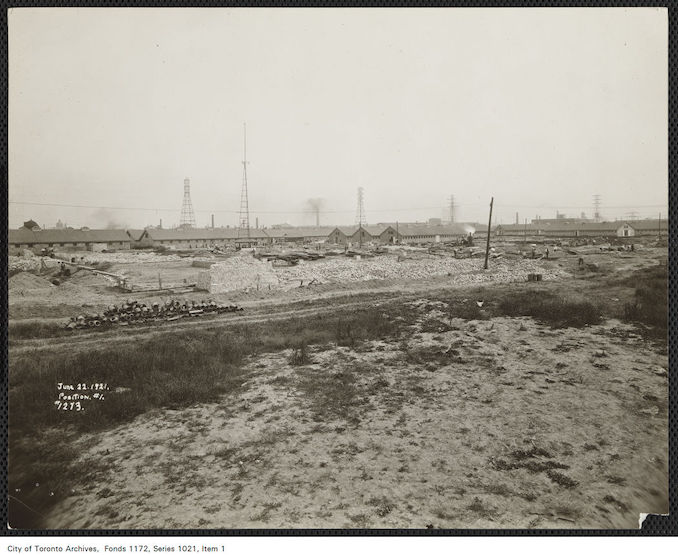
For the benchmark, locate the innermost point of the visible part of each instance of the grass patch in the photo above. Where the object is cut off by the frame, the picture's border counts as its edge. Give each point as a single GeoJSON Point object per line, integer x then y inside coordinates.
{"type": "Point", "coordinates": [550, 309]}
{"type": "Point", "coordinates": [172, 370]}
{"type": "Point", "coordinates": [650, 303]}
{"type": "Point", "coordinates": [300, 356]}
{"type": "Point", "coordinates": [332, 395]}
{"type": "Point", "coordinates": [36, 330]}
{"type": "Point", "coordinates": [560, 479]}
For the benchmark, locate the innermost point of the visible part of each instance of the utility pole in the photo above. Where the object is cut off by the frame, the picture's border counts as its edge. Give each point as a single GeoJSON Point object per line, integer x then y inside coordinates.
{"type": "Point", "coordinates": [489, 225]}
{"type": "Point", "coordinates": [660, 224]}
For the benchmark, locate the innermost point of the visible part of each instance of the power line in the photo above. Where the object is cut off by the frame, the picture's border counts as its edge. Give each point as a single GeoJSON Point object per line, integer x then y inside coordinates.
{"type": "Point", "coordinates": [408, 209]}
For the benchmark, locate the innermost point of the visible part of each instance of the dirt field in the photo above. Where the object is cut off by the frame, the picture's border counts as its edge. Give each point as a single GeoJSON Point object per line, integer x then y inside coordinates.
{"type": "Point", "coordinates": [465, 417]}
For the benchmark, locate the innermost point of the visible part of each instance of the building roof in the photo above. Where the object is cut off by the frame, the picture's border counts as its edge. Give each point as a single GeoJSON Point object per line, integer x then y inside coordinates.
{"type": "Point", "coordinates": [135, 234]}
{"type": "Point", "coordinates": [652, 225]}
{"type": "Point", "coordinates": [373, 230]}
{"type": "Point", "coordinates": [208, 234]}
{"type": "Point", "coordinates": [20, 236]}
{"type": "Point", "coordinates": [414, 230]}
{"type": "Point", "coordinates": [300, 232]}
{"type": "Point", "coordinates": [564, 226]}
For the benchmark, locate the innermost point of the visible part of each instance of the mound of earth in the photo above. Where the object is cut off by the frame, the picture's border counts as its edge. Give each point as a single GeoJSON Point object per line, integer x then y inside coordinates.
{"type": "Point", "coordinates": [25, 281]}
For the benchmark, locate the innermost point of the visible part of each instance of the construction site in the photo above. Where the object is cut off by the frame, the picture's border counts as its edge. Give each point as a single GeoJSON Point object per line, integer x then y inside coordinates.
{"type": "Point", "coordinates": [370, 376]}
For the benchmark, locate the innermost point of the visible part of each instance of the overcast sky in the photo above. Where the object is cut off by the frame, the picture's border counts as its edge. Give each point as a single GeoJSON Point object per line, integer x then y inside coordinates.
{"type": "Point", "coordinates": [540, 108]}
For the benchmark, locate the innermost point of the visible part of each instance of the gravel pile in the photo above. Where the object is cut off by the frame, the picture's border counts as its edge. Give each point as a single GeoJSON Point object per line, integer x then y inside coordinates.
{"type": "Point", "coordinates": [237, 273]}
{"type": "Point", "coordinates": [463, 271]}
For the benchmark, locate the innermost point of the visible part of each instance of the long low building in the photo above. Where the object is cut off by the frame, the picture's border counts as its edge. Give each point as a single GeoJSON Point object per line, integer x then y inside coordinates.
{"type": "Point", "coordinates": [304, 234]}
{"type": "Point", "coordinates": [201, 238]}
{"type": "Point", "coordinates": [83, 239]}
{"type": "Point", "coordinates": [632, 228]}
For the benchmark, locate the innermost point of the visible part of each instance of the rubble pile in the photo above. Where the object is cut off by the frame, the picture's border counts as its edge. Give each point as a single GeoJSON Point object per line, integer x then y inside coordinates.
{"type": "Point", "coordinates": [120, 257]}
{"type": "Point", "coordinates": [463, 271]}
{"type": "Point", "coordinates": [134, 312]}
{"type": "Point", "coordinates": [30, 264]}
{"type": "Point", "coordinates": [239, 272]}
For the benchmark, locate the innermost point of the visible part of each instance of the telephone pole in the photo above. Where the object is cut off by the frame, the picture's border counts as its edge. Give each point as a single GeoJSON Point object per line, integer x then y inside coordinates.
{"type": "Point", "coordinates": [489, 225]}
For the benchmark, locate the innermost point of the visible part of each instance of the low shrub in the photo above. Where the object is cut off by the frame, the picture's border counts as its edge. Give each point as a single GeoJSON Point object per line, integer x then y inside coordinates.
{"type": "Point", "coordinates": [548, 308]}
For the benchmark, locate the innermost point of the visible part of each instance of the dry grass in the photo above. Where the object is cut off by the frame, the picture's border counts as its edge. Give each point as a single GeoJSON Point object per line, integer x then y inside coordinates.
{"type": "Point", "coordinates": [173, 370]}
{"type": "Point", "coordinates": [551, 309]}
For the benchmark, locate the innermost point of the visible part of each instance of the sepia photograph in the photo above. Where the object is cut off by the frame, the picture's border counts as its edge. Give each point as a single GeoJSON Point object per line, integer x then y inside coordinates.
{"type": "Point", "coordinates": [357, 269]}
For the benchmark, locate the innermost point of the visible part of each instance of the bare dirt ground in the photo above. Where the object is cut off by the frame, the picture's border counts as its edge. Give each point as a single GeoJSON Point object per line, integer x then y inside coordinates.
{"type": "Point", "coordinates": [501, 423]}
{"type": "Point", "coordinates": [497, 423]}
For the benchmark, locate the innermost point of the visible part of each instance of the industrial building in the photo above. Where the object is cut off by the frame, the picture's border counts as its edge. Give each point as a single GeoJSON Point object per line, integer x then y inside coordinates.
{"type": "Point", "coordinates": [201, 238]}
{"type": "Point", "coordinates": [359, 234]}
{"type": "Point", "coordinates": [289, 234]}
{"type": "Point", "coordinates": [76, 239]}
{"type": "Point", "coordinates": [424, 233]}
{"type": "Point", "coordinates": [632, 228]}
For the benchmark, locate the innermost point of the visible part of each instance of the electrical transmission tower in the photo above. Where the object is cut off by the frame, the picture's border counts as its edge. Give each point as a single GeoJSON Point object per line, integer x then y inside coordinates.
{"type": "Point", "coordinates": [244, 224]}
{"type": "Point", "coordinates": [187, 215]}
{"type": "Point", "coordinates": [360, 217]}
{"type": "Point", "coordinates": [451, 209]}
{"type": "Point", "coordinates": [596, 208]}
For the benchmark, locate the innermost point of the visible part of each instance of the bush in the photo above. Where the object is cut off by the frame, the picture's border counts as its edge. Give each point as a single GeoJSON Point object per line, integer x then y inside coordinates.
{"type": "Point", "coordinates": [35, 330]}
{"type": "Point", "coordinates": [650, 305]}
{"type": "Point", "coordinates": [300, 356]}
{"type": "Point", "coordinates": [550, 309]}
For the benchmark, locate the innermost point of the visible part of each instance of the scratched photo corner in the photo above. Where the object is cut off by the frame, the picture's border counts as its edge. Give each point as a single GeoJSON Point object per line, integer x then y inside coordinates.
{"type": "Point", "coordinates": [338, 269]}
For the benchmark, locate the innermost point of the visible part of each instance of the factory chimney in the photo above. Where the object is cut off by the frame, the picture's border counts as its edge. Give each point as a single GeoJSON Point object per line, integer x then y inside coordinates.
{"type": "Point", "coordinates": [212, 221]}
{"type": "Point", "coordinates": [160, 226]}
{"type": "Point", "coordinates": [256, 222]}
{"type": "Point", "coordinates": [517, 220]}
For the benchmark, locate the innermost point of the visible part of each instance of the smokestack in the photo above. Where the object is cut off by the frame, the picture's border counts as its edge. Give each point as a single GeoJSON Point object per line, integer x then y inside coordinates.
{"type": "Point", "coordinates": [212, 221]}
{"type": "Point", "coordinates": [160, 223]}
{"type": "Point", "coordinates": [517, 220]}
{"type": "Point", "coordinates": [256, 222]}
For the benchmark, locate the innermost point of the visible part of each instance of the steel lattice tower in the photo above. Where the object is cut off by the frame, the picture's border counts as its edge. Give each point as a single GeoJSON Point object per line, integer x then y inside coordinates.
{"type": "Point", "coordinates": [360, 217]}
{"type": "Point", "coordinates": [244, 224]}
{"type": "Point", "coordinates": [596, 208]}
{"type": "Point", "coordinates": [187, 215]}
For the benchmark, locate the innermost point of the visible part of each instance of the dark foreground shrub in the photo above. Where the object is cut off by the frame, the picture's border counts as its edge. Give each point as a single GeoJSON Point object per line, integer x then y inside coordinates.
{"type": "Point", "coordinates": [300, 356]}
{"type": "Point", "coordinates": [650, 305]}
{"type": "Point", "coordinates": [550, 309]}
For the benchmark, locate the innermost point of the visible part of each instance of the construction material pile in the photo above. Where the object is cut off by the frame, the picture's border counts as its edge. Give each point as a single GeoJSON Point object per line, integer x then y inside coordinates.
{"type": "Point", "coordinates": [462, 271]}
{"type": "Point", "coordinates": [30, 263]}
{"type": "Point", "coordinates": [134, 312]}
{"type": "Point", "coordinates": [119, 257]}
{"type": "Point", "coordinates": [239, 272]}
